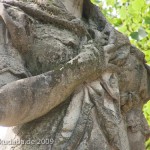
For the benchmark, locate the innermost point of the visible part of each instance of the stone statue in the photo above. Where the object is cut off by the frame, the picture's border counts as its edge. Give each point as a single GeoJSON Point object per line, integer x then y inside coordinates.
{"type": "Point", "coordinates": [68, 76]}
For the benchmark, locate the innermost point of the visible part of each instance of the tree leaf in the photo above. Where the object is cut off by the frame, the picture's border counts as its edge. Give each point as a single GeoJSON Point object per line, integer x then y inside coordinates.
{"type": "Point", "coordinates": [138, 4]}
{"type": "Point", "coordinates": [110, 2]}
{"type": "Point", "coordinates": [122, 12]}
{"type": "Point", "coordinates": [117, 21]}
{"type": "Point", "coordinates": [135, 35]}
{"type": "Point", "coordinates": [124, 1]}
{"type": "Point", "coordinates": [147, 20]}
{"type": "Point", "coordinates": [142, 33]}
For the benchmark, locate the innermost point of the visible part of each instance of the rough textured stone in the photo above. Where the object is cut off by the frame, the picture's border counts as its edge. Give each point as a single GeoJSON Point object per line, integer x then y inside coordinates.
{"type": "Point", "coordinates": [68, 79]}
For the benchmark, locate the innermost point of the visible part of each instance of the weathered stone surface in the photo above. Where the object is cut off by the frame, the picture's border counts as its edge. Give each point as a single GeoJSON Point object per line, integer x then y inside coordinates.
{"type": "Point", "coordinates": [78, 83]}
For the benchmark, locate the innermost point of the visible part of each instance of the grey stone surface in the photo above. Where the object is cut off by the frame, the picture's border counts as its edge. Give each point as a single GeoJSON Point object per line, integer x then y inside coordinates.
{"type": "Point", "coordinates": [69, 80]}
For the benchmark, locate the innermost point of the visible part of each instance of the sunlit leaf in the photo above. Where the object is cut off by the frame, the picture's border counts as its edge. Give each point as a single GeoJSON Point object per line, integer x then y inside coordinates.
{"type": "Point", "coordinates": [124, 1]}
{"type": "Point", "coordinates": [110, 2]}
{"type": "Point", "coordinates": [123, 12]}
{"type": "Point", "coordinates": [138, 4]}
{"type": "Point", "coordinates": [117, 21]}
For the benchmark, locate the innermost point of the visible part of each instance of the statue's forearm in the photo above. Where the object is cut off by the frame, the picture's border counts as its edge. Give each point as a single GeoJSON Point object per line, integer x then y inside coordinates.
{"type": "Point", "coordinates": [24, 100]}
{"type": "Point", "coordinates": [27, 99]}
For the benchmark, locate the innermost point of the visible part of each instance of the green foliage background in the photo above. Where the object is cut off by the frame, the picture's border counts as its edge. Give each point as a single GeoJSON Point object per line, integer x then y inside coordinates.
{"type": "Point", "coordinates": [131, 17]}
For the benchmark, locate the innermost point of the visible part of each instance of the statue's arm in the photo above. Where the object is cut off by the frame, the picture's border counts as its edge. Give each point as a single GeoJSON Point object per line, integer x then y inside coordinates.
{"type": "Point", "coordinates": [27, 99]}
